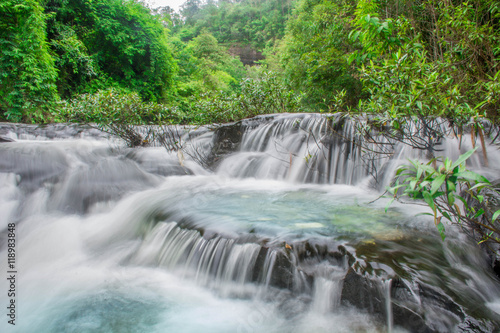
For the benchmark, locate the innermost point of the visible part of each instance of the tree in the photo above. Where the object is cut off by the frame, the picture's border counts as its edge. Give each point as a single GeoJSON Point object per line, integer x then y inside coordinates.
{"type": "Point", "coordinates": [207, 66]}
{"type": "Point", "coordinates": [121, 41]}
{"type": "Point", "coordinates": [245, 22]}
{"type": "Point", "coordinates": [439, 60]}
{"type": "Point", "coordinates": [27, 72]}
{"type": "Point", "coordinates": [313, 52]}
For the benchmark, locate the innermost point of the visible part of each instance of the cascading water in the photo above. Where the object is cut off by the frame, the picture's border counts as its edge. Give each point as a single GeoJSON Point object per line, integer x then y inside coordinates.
{"type": "Point", "coordinates": [277, 232]}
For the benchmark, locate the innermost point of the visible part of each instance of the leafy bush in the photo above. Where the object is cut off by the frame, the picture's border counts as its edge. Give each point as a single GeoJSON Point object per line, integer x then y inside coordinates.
{"type": "Point", "coordinates": [121, 40]}
{"type": "Point", "coordinates": [267, 94]}
{"type": "Point", "coordinates": [115, 106]}
{"type": "Point", "coordinates": [205, 66]}
{"type": "Point", "coordinates": [444, 188]}
{"type": "Point", "coordinates": [439, 61]}
{"type": "Point", "coordinates": [27, 73]}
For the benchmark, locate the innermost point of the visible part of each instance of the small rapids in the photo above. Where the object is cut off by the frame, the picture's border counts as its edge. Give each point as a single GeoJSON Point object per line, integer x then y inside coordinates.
{"type": "Point", "coordinates": [276, 230]}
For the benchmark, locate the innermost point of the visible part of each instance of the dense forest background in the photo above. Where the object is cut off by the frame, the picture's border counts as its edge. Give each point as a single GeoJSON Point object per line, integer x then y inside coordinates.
{"type": "Point", "coordinates": [120, 61]}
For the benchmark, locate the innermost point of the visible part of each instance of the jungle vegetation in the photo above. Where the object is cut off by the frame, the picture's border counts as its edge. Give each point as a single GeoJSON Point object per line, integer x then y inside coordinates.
{"type": "Point", "coordinates": [393, 58]}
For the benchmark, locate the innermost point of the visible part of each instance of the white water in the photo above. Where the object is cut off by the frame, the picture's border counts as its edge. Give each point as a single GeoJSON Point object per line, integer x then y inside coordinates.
{"type": "Point", "coordinates": [92, 274]}
{"type": "Point", "coordinates": [117, 240]}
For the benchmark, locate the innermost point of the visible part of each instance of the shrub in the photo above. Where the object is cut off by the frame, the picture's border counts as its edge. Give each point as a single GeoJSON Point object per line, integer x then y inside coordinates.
{"type": "Point", "coordinates": [113, 106]}
{"type": "Point", "coordinates": [444, 188]}
{"type": "Point", "coordinates": [264, 95]}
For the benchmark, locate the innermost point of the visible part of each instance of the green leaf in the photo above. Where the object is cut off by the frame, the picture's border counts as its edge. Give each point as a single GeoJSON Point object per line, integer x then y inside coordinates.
{"type": "Point", "coordinates": [419, 105]}
{"type": "Point", "coordinates": [445, 214]}
{"type": "Point", "coordinates": [469, 175]}
{"type": "Point", "coordinates": [429, 200]}
{"type": "Point", "coordinates": [393, 190]}
{"type": "Point", "coordinates": [440, 228]}
{"type": "Point", "coordinates": [388, 204]}
{"type": "Point", "coordinates": [420, 214]}
{"type": "Point", "coordinates": [424, 183]}
{"type": "Point", "coordinates": [480, 186]}
{"type": "Point", "coordinates": [462, 158]}
{"type": "Point", "coordinates": [486, 237]}
{"type": "Point", "coordinates": [495, 215]}
{"type": "Point", "coordinates": [419, 173]}
{"type": "Point", "coordinates": [436, 183]}
{"type": "Point", "coordinates": [447, 163]}
{"type": "Point", "coordinates": [466, 205]}
{"type": "Point", "coordinates": [451, 198]}
{"type": "Point", "coordinates": [479, 213]}
{"type": "Point", "coordinates": [451, 186]}
{"type": "Point", "coordinates": [400, 169]}
{"type": "Point", "coordinates": [480, 198]}
{"type": "Point", "coordinates": [354, 35]}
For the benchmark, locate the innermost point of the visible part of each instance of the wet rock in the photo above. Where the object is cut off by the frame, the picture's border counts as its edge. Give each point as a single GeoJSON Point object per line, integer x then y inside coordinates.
{"type": "Point", "coordinates": [361, 292]}
{"type": "Point", "coordinates": [313, 252]}
{"type": "Point", "coordinates": [106, 179]}
{"type": "Point", "coordinates": [416, 308]}
{"type": "Point", "coordinates": [407, 309]}
{"type": "Point", "coordinates": [259, 275]}
{"type": "Point", "coordinates": [34, 163]}
{"type": "Point", "coordinates": [226, 140]}
{"type": "Point", "coordinates": [50, 131]}
{"type": "Point", "coordinates": [491, 204]}
{"type": "Point", "coordinates": [283, 272]}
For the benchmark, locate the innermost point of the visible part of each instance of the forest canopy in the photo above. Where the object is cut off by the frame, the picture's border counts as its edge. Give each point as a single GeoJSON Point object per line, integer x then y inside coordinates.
{"type": "Point", "coordinates": [393, 58]}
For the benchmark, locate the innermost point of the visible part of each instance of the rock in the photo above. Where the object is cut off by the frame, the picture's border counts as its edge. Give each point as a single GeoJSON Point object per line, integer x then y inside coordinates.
{"type": "Point", "coordinates": [226, 140]}
{"type": "Point", "coordinates": [360, 292]}
{"type": "Point", "coordinates": [248, 55]}
{"type": "Point", "coordinates": [283, 272]}
{"type": "Point", "coordinates": [492, 200]}
{"type": "Point", "coordinates": [34, 163]}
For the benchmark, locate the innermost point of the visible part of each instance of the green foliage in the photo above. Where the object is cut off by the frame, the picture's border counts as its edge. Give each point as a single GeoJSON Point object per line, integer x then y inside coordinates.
{"type": "Point", "coordinates": [377, 37]}
{"type": "Point", "coordinates": [264, 95]}
{"type": "Point", "coordinates": [121, 40]}
{"type": "Point", "coordinates": [444, 188]}
{"type": "Point", "coordinates": [408, 84]}
{"type": "Point", "coordinates": [76, 67]}
{"type": "Point", "coordinates": [398, 59]}
{"type": "Point", "coordinates": [113, 106]}
{"type": "Point", "coordinates": [439, 59]}
{"type": "Point", "coordinates": [27, 73]}
{"type": "Point", "coordinates": [313, 53]}
{"type": "Point", "coordinates": [241, 22]}
{"type": "Point", "coordinates": [206, 66]}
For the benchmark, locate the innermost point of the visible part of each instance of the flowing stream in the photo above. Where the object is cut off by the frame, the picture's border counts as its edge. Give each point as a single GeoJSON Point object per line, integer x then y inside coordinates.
{"type": "Point", "coordinates": [278, 231]}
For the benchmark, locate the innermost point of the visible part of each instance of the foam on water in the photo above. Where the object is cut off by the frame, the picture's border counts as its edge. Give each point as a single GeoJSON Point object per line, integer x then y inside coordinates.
{"type": "Point", "coordinates": [112, 239]}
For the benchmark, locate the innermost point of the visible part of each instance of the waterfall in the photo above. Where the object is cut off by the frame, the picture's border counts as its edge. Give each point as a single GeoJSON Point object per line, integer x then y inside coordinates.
{"type": "Point", "coordinates": [268, 224]}
{"type": "Point", "coordinates": [386, 288]}
{"type": "Point", "coordinates": [328, 289]}
{"type": "Point", "coordinates": [318, 149]}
